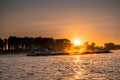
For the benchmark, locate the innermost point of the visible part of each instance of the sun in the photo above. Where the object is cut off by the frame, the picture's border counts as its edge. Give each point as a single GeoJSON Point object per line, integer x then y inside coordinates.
{"type": "Point", "coordinates": [77, 42]}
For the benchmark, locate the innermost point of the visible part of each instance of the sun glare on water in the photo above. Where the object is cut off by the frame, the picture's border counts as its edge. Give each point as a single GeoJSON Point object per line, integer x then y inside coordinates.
{"type": "Point", "coordinates": [77, 42]}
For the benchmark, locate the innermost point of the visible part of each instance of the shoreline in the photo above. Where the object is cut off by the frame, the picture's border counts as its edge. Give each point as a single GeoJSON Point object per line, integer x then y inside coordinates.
{"type": "Point", "coordinates": [55, 54]}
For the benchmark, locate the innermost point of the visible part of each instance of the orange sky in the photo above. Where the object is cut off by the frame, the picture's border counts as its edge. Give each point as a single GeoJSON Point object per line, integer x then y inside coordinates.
{"type": "Point", "coordinates": [89, 20]}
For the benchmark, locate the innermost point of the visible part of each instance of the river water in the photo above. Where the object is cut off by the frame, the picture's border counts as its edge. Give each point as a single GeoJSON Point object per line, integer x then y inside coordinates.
{"type": "Point", "coordinates": [105, 66]}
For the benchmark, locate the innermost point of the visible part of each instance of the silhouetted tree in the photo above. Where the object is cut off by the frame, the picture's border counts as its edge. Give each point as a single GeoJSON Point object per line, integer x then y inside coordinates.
{"type": "Point", "coordinates": [47, 43]}
{"type": "Point", "coordinates": [10, 43]}
{"type": "Point", "coordinates": [92, 46]}
{"type": "Point", "coordinates": [86, 45]}
{"type": "Point", "coordinates": [13, 43]}
{"type": "Point", "coordinates": [5, 44]}
{"type": "Point", "coordinates": [109, 46]}
{"type": "Point", "coordinates": [61, 44]}
{"type": "Point", "coordinates": [28, 43]}
{"type": "Point", "coordinates": [38, 42]}
{"type": "Point", "coordinates": [1, 44]}
{"type": "Point", "coordinates": [117, 46]}
{"type": "Point", "coordinates": [89, 47]}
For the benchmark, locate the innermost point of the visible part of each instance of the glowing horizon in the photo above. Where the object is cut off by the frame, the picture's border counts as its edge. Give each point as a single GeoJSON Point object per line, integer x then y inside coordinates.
{"type": "Point", "coordinates": [91, 21]}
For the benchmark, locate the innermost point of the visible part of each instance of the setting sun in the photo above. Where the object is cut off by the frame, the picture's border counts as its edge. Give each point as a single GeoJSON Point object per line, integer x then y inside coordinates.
{"type": "Point", "coordinates": [77, 43]}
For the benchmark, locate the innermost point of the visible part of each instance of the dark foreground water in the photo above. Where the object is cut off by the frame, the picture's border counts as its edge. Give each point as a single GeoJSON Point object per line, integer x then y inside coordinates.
{"type": "Point", "coordinates": [68, 67]}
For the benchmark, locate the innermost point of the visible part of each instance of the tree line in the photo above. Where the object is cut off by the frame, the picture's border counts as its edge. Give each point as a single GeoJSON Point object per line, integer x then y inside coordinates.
{"type": "Point", "coordinates": [107, 46]}
{"type": "Point", "coordinates": [14, 43]}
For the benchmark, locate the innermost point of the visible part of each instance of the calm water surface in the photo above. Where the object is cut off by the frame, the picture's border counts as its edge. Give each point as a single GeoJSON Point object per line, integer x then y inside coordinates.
{"type": "Point", "coordinates": [68, 67]}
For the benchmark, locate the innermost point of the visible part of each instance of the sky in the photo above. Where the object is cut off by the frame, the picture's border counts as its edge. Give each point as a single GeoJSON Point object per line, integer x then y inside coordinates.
{"type": "Point", "coordinates": [88, 20]}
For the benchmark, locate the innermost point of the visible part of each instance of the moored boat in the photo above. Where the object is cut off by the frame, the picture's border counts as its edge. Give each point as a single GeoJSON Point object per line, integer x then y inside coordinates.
{"type": "Point", "coordinates": [45, 52]}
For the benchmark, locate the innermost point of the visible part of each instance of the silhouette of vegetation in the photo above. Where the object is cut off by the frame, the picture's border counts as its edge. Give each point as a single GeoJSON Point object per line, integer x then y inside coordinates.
{"type": "Point", "coordinates": [111, 46]}
{"type": "Point", "coordinates": [13, 44]}
{"type": "Point", "coordinates": [91, 46]}
{"type": "Point", "coordinates": [1, 45]}
{"type": "Point", "coordinates": [61, 44]}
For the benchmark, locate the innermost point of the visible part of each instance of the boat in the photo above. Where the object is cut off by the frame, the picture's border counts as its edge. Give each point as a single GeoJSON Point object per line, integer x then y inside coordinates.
{"type": "Point", "coordinates": [38, 52]}
{"type": "Point", "coordinates": [45, 52]}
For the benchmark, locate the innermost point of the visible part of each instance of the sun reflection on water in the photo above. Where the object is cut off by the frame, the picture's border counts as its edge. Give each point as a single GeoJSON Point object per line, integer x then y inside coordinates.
{"type": "Point", "coordinates": [77, 69]}
{"type": "Point", "coordinates": [77, 59]}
